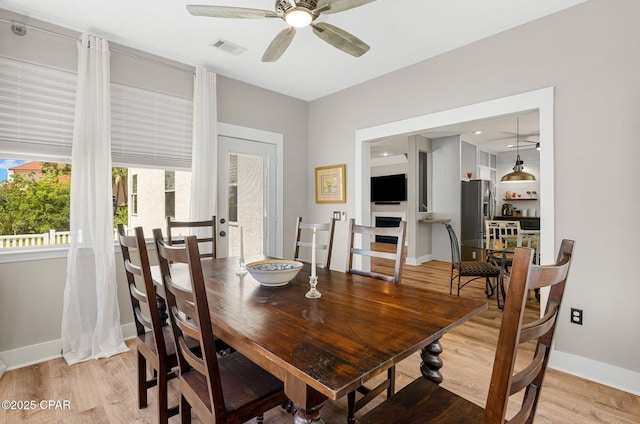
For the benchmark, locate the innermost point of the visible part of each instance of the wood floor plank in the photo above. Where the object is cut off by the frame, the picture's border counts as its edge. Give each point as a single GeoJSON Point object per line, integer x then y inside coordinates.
{"type": "Point", "coordinates": [104, 391]}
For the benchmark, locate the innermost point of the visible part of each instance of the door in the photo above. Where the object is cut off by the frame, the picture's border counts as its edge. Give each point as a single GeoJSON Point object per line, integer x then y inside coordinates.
{"type": "Point", "coordinates": [246, 197]}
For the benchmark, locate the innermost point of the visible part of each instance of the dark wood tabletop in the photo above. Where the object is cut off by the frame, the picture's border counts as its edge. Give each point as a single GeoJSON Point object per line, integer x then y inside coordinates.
{"type": "Point", "coordinates": [324, 348]}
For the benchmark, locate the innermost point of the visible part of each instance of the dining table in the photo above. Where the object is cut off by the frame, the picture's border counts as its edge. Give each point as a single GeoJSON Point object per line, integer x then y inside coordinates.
{"type": "Point", "coordinates": [324, 348]}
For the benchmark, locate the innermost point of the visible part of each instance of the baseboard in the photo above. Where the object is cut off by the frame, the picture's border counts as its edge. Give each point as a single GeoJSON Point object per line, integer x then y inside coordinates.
{"type": "Point", "coordinates": [599, 372]}
{"type": "Point", "coordinates": [34, 354]}
{"type": "Point", "coordinates": [419, 260]}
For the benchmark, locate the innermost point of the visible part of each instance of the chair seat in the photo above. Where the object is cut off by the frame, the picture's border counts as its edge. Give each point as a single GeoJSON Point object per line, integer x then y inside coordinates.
{"type": "Point", "coordinates": [478, 269]}
{"type": "Point", "coordinates": [146, 341]}
{"type": "Point", "coordinates": [424, 402]}
{"type": "Point", "coordinates": [243, 382]}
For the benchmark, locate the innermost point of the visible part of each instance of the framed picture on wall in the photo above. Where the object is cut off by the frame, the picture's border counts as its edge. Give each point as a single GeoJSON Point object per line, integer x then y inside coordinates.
{"type": "Point", "coordinates": [331, 184]}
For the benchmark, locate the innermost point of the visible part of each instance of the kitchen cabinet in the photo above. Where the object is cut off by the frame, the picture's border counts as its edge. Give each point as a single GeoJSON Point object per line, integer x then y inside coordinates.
{"type": "Point", "coordinates": [482, 164]}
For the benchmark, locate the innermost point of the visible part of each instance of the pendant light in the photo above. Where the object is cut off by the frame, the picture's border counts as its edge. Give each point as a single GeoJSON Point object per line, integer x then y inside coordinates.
{"type": "Point", "coordinates": [518, 174]}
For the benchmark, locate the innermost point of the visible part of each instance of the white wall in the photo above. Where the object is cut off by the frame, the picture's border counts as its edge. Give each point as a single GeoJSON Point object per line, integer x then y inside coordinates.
{"type": "Point", "coordinates": [446, 193]}
{"type": "Point", "coordinates": [589, 54]}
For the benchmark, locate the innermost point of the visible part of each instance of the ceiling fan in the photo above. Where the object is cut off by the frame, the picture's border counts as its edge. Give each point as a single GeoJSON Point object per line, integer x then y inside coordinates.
{"type": "Point", "coordinates": [298, 14]}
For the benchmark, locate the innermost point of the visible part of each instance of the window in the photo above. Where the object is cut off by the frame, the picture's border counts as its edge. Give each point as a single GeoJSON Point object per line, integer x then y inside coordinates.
{"type": "Point", "coordinates": [134, 194]}
{"type": "Point", "coordinates": [34, 203]}
{"type": "Point", "coordinates": [233, 188]}
{"type": "Point", "coordinates": [170, 193]}
{"type": "Point", "coordinates": [150, 130]}
{"type": "Point", "coordinates": [158, 192]}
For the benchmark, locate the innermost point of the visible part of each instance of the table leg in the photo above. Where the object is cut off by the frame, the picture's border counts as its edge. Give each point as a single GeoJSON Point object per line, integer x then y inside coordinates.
{"type": "Point", "coordinates": [307, 417]}
{"type": "Point", "coordinates": [431, 362]}
{"type": "Point", "coordinates": [308, 402]}
{"type": "Point", "coordinates": [162, 309]}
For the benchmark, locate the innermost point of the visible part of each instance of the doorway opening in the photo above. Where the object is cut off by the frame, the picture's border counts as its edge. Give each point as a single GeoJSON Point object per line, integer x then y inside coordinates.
{"type": "Point", "coordinates": [542, 100]}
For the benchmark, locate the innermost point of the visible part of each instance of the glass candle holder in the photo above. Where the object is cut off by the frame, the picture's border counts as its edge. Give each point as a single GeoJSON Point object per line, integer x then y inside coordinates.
{"type": "Point", "coordinates": [242, 270]}
{"type": "Point", "coordinates": [313, 293]}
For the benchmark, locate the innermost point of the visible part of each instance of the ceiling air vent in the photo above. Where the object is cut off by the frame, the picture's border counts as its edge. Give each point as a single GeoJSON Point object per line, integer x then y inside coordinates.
{"type": "Point", "coordinates": [228, 47]}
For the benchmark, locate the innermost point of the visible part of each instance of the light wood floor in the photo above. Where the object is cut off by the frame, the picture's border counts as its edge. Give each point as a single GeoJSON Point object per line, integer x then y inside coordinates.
{"type": "Point", "coordinates": [104, 391]}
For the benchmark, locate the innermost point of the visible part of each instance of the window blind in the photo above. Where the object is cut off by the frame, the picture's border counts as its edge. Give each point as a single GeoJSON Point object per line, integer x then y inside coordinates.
{"type": "Point", "coordinates": [36, 110]}
{"type": "Point", "coordinates": [150, 128]}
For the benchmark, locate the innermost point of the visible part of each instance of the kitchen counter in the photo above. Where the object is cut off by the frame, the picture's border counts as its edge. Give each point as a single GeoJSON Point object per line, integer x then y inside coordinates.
{"type": "Point", "coordinates": [435, 221]}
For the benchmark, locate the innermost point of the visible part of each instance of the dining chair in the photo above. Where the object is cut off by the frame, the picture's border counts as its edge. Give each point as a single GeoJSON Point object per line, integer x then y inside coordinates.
{"type": "Point", "coordinates": [398, 257]}
{"type": "Point", "coordinates": [154, 342]}
{"type": "Point", "coordinates": [306, 227]}
{"type": "Point", "coordinates": [501, 231]}
{"type": "Point", "coordinates": [474, 269]}
{"type": "Point", "coordinates": [423, 401]}
{"type": "Point", "coordinates": [229, 389]}
{"type": "Point", "coordinates": [207, 242]}
{"type": "Point", "coordinates": [504, 234]}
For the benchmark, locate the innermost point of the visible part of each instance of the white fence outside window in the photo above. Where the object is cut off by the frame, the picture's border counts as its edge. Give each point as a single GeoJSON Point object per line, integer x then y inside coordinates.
{"type": "Point", "coordinates": [49, 238]}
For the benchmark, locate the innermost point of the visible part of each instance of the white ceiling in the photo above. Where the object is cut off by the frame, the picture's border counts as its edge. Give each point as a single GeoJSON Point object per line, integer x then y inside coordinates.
{"type": "Point", "coordinates": [497, 134]}
{"type": "Point", "coordinates": [400, 33]}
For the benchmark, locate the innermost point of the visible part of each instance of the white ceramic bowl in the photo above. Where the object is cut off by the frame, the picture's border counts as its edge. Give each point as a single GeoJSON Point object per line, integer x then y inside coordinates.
{"type": "Point", "coordinates": [274, 272]}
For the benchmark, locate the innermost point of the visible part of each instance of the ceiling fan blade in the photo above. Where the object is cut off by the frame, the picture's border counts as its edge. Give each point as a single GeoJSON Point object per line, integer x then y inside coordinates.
{"type": "Point", "coordinates": [340, 39]}
{"type": "Point", "coordinates": [279, 45]}
{"type": "Point", "coordinates": [230, 12]}
{"type": "Point", "coordinates": [335, 6]}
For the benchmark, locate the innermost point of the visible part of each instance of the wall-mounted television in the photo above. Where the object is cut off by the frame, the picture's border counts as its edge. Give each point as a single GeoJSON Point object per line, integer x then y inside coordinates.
{"type": "Point", "coordinates": [389, 188]}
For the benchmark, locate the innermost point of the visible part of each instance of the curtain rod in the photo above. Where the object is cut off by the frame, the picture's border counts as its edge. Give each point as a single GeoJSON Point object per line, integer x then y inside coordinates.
{"type": "Point", "coordinates": [116, 50]}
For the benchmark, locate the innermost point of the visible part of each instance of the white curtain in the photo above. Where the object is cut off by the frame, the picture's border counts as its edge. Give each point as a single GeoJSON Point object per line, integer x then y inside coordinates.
{"type": "Point", "coordinates": [90, 317]}
{"type": "Point", "coordinates": [204, 164]}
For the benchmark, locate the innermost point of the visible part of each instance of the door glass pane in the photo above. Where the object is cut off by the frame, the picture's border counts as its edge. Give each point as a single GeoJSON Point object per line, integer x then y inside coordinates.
{"type": "Point", "coordinates": [246, 203]}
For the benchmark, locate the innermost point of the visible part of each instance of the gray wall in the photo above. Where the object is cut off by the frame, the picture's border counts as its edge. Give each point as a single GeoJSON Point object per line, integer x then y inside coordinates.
{"type": "Point", "coordinates": [589, 53]}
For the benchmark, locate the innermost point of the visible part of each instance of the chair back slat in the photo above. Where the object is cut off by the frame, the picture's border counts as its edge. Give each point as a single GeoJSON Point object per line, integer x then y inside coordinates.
{"type": "Point", "coordinates": [133, 268]}
{"type": "Point", "coordinates": [526, 376]}
{"type": "Point", "coordinates": [374, 253]}
{"type": "Point", "coordinates": [536, 329]}
{"type": "Point", "coordinates": [525, 413]}
{"type": "Point", "coordinates": [137, 294]}
{"type": "Point", "coordinates": [143, 319]}
{"type": "Point", "coordinates": [193, 304]}
{"type": "Point", "coordinates": [206, 243]}
{"type": "Point", "coordinates": [398, 256]}
{"type": "Point", "coordinates": [308, 227]}
{"type": "Point", "coordinates": [513, 332]}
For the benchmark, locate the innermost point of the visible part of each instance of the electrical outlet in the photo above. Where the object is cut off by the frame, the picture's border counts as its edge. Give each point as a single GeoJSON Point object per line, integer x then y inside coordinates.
{"type": "Point", "coordinates": [576, 316]}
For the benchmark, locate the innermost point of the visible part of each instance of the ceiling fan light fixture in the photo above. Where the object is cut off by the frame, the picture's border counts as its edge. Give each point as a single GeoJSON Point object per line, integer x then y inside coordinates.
{"type": "Point", "coordinates": [298, 17]}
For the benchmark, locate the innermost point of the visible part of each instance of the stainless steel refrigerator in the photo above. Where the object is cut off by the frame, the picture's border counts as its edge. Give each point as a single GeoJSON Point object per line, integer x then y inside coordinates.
{"type": "Point", "coordinates": [478, 205]}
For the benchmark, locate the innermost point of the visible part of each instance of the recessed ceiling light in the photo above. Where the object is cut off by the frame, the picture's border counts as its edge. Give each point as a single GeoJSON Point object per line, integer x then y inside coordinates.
{"type": "Point", "coordinates": [511, 145]}
{"type": "Point", "coordinates": [477, 132]}
{"type": "Point", "coordinates": [385, 154]}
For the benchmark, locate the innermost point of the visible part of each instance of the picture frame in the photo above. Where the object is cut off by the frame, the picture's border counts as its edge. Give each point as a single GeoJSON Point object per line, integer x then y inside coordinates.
{"type": "Point", "coordinates": [331, 184]}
